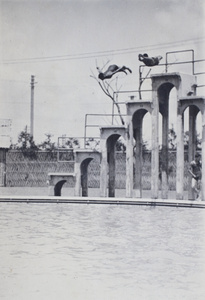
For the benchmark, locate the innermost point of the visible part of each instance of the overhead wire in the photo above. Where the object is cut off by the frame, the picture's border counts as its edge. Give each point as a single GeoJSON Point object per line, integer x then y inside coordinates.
{"type": "Point", "coordinates": [87, 55]}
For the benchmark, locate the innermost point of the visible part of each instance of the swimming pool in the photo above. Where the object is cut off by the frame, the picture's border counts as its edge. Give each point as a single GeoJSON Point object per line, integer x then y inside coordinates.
{"type": "Point", "coordinates": [73, 251]}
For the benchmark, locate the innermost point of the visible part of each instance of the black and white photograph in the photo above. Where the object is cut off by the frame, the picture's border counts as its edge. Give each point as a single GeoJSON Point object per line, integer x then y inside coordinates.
{"type": "Point", "coordinates": [102, 149]}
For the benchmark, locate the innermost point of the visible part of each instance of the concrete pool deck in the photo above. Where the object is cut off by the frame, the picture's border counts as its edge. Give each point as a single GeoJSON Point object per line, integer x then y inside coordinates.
{"type": "Point", "coordinates": [38, 195]}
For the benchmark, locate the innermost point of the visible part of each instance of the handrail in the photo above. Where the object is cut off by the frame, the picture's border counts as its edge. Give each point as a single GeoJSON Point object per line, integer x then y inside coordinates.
{"type": "Point", "coordinates": [141, 79]}
{"type": "Point", "coordinates": [96, 125]}
{"type": "Point", "coordinates": [192, 61]}
{"type": "Point", "coordinates": [181, 51]}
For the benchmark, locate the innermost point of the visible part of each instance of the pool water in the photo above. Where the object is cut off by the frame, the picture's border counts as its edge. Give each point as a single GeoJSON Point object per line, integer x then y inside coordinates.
{"type": "Point", "coordinates": [95, 252]}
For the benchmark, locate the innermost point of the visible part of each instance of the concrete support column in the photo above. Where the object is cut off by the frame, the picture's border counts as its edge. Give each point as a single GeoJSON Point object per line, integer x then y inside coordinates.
{"type": "Point", "coordinates": [50, 190]}
{"type": "Point", "coordinates": [138, 160]}
{"type": "Point", "coordinates": [3, 166]}
{"type": "Point", "coordinates": [77, 190]}
{"type": "Point", "coordinates": [111, 163]}
{"type": "Point", "coordinates": [203, 157]}
{"type": "Point", "coordinates": [129, 159]}
{"type": "Point", "coordinates": [84, 178]}
{"type": "Point", "coordinates": [164, 155]}
{"type": "Point", "coordinates": [180, 156]}
{"type": "Point", "coordinates": [56, 182]}
{"type": "Point", "coordinates": [103, 168]}
{"type": "Point", "coordinates": [192, 144]}
{"type": "Point", "coordinates": [82, 159]}
{"type": "Point", "coordinates": [155, 148]}
{"type": "Point", "coordinates": [108, 138]}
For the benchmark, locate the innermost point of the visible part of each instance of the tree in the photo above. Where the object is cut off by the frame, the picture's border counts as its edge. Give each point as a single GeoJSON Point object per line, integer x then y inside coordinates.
{"type": "Point", "coordinates": [92, 143]}
{"type": "Point", "coordinates": [72, 143]}
{"type": "Point", "coordinates": [109, 90]}
{"type": "Point", "coordinates": [186, 141]}
{"type": "Point", "coordinates": [26, 144]}
{"type": "Point", "coordinates": [120, 145]}
{"type": "Point", "coordinates": [172, 138]}
{"type": "Point", "coordinates": [68, 143]}
{"type": "Point", "coordinates": [48, 144]}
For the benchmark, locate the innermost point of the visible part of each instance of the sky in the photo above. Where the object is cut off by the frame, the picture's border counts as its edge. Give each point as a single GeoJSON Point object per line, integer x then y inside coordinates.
{"type": "Point", "coordinates": [62, 42]}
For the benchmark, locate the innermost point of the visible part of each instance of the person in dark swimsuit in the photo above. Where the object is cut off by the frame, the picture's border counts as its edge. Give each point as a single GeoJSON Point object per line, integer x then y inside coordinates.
{"type": "Point", "coordinates": [113, 69]}
{"type": "Point", "coordinates": [149, 61]}
{"type": "Point", "coordinates": [195, 171]}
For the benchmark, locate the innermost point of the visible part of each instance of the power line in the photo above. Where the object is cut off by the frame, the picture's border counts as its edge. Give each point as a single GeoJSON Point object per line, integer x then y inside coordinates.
{"type": "Point", "coordinates": [106, 51]}
{"type": "Point", "coordinates": [13, 80]}
{"type": "Point", "coordinates": [87, 55]}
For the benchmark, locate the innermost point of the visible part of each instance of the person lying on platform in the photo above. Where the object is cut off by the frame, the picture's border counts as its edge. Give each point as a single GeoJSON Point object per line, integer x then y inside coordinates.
{"type": "Point", "coordinates": [149, 61]}
{"type": "Point", "coordinates": [113, 69]}
{"type": "Point", "coordinates": [195, 171]}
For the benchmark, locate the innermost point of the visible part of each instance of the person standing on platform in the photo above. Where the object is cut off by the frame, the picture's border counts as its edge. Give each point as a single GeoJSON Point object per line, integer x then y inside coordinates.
{"type": "Point", "coordinates": [195, 171]}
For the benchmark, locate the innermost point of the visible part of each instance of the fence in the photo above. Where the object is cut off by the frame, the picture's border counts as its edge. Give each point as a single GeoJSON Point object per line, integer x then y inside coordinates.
{"type": "Point", "coordinates": [24, 171]}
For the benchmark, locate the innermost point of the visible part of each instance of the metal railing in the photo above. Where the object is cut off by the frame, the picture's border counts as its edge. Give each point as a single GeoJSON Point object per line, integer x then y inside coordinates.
{"type": "Point", "coordinates": [139, 91]}
{"type": "Point", "coordinates": [180, 51]}
{"type": "Point", "coordinates": [167, 64]}
{"type": "Point", "coordinates": [97, 125]}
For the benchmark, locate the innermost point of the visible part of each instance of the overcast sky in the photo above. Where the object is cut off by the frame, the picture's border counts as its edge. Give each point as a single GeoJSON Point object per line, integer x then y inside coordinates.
{"type": "Point", "coordinates": [62, 42]}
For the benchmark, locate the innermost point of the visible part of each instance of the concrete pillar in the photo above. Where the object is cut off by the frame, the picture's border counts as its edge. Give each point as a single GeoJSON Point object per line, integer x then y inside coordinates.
{"type": "Point", "coordinates": [58, 187]}
{"type": "Point", "coordinates": [163, 84]}
{"type": "Point", "coordinates": [203, 156]}
{"type": "Point", "coordinates": [3, 166]}
{"type": "Point", "coordinates": [192, 145]}
{"type": "Point", "coordinates": [51, 190]}
{"type": "Point", "coordinates": [129, 158]}
{"type": "Point", "coordinates": [111, 164]}
{"type": "Point", "coordinates": [155, 148]}
{"type": "Point", "coordinates": [164, 154]}
{"type": "Point", "coordinates": [138, 160]}
{"type": "Point", "coordinates": [103, 168]}
{"type": "Point", "coordinates": [77, 171]}
{"type": "Point", "coordinates": [56, 182]}
{"type": "Point", "coordinates": [108, 138]}
{"type": "Point", "coordinates": [195, 104]}
{"type": "Point", "coordinates": [135, 114]}
{"type": "Point", "coordinates": [84, 178]}
{"type": "Point", "coordinates": [82, 159]}
{"type": "Point", "coordinates": [180, 156]}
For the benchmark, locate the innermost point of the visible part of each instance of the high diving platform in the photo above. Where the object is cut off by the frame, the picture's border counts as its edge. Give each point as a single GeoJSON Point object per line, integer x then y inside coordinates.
{"type": "Point", "coordinates": [187, 102]}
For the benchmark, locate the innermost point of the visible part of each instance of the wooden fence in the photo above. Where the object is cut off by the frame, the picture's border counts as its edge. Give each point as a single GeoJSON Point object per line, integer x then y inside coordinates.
{"type": "Point", "coordinates": [24, 171]}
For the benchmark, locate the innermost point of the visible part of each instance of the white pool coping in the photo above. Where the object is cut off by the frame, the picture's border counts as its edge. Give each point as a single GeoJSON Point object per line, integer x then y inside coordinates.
{"type": "Point", "coordinates": [103, 200]}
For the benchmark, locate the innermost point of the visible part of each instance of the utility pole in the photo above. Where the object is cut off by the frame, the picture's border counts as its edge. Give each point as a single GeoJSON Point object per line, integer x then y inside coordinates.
{"type": "Point", "coordinates": [32, 105]}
